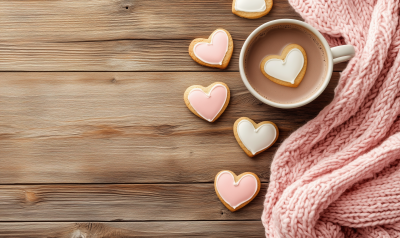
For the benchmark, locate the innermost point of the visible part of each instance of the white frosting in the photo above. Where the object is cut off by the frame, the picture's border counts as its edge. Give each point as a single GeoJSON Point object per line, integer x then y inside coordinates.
{"type": "Point", "coordinates": [208, 96]}
{"type": "Point", "coordinates": [288, 69]}
{"type": "Point", "coordinates": [258, 139]}
{"type": "Point", "coordinates": [250, 5]}
{"type": "Point", "coordinates": [227, 46]}
{"type": "Point", "coordinates": [236, 184]}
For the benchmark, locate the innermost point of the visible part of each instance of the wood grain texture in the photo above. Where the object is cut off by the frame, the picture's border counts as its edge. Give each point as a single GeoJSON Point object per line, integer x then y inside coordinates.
{"type": "Point", "coordinates": [118, 35]}
{"type": "Point", "coordinates": [116, 202]}
{"type": "Point", "coordinates": [108, 20]}
{"type": "Point", "coordinates": [128, 128]}
{"type": "Point", "coordinates": [218, 229]}
{"type": "Point", "coordinates": [118, 55]}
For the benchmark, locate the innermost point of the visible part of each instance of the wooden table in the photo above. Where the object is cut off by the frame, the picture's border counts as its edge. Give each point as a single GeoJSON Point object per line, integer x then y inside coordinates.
{"type": "Point", "coordinates": [95, 138]}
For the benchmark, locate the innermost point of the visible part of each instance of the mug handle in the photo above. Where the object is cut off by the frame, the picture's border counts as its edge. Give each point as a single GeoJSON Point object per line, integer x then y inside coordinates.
{"type": "Point", "coordinates": [342, 53]}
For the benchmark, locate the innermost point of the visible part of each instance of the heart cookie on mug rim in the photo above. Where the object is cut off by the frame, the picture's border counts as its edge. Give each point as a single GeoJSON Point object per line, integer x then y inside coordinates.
{"type": "Point", "coordinates": [287, 69]}
{"type": "Point", "coordinates": [209, 102]}
{"type": "Point", "coordinates": [215, 52]}
{"type": "Point", "coordinates": [235, 191]}
{"type": "Point", "coordinates": [255, 138]}
{"type": "Point", "coordinates": [251, 9]}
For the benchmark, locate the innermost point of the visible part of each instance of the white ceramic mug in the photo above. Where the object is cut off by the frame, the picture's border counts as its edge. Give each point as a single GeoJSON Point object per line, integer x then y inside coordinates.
{"type": "Point", "coordinates": [334, 55]}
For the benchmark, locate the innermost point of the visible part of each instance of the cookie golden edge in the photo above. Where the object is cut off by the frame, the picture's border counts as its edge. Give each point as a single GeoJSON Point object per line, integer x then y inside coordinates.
{"type": "Point", "coordinates": [228, 55]}
{"type": "Point", "coordinates": [253, 15]}
{"type": "Point", "coordinates": [283, 55]}
{"type": "Point", "coordinates": [248, 152]}
{"type": "Point", "coordinates": [237, 178]}
{"type": "Point", "coordinates": [206, 90]}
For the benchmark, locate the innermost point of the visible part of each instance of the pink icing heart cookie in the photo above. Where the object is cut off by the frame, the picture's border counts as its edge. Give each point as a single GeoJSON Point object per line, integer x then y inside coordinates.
{"type": "Point", "coordinates": [234, 191]}
{"type": "Point", "coordinates": [215, 52]}
{"type": "Point", "coordinates": [207, 103]}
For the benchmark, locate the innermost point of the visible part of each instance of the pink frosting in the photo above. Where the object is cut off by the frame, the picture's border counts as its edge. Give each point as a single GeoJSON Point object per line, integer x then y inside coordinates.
{"type": "Point", "coordinates": [214, 52]}
{"type": "Point", "coordinates": [239, 193]}
{"type": "Point", "coordinates": [208, 106]}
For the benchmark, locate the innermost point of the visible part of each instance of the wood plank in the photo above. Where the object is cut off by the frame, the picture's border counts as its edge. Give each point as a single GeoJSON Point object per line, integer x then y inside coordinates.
{"type": "Point", "coordinates": [128, 202]}
{"type": "Point", "coordinates": [132, 229]}
{"type": "Point", "coordinates": [103, 35]}
{"type": "Point", "coordinates": [108, 20]}
{"type": "Point", "coordinates": [128, 128]}
{"type": "Point", "coordinates": [119, 55]}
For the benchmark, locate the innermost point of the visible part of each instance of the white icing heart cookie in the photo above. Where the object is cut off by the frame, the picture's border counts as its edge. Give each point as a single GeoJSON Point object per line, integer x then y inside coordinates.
{"type": "Point", "coordinates": [287, 69]}
{"type": "Point", "coordinates": [251, 9]}
{"type": "Point", "coordinates": [234, 191]}
{"type": "Point", "coordinates": [255, 138]}
{"type": "Point", "coordinates": [207, 103]}
{"type": "Point", "coordinates": [215, 52]}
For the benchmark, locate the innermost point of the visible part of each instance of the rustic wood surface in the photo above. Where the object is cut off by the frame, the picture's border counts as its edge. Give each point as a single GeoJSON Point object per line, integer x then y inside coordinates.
{"type": "Point", "coordinates": [120, 202]}
{"type": "Point", "coordinates": [133, 229]}
{"type": "Point", "coordinates": [95, 138]}
{"type": "Point", "coordinates": [128, 128]}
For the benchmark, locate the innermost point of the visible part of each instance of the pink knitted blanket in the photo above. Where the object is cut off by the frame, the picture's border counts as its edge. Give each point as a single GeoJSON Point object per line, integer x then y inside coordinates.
{"type": "Point", "coordinates": [339, 175]}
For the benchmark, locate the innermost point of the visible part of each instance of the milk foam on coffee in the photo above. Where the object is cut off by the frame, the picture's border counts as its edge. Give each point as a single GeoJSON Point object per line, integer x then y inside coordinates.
{"type": "Point", "coordinates": [271, 42]}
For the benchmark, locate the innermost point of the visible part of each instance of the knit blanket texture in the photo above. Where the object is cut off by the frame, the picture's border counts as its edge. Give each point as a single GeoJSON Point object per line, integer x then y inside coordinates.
{"type": "Point", "coordinates": [339, 175]}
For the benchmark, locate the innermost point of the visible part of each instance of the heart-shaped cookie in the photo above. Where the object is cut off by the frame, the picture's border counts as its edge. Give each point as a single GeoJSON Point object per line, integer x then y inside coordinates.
{"type": "Point", "coordinates": [251, 9]}
{"type": "Point", "coordinates": [255, 138]}
{"type": "Point", "coordinates": [207, 103]}
{"type": "Point", "coordinates": [234, 191]}
{"type": "Point", "coordinates": [216, 51]}
{"type": "Point", "coordinates": [287, 69]}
